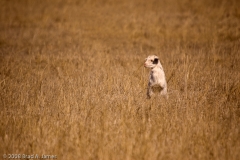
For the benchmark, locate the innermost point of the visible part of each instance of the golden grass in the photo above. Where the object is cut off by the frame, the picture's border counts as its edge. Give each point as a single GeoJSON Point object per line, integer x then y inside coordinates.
{"type": "Point", "coordinates": [72, 81]}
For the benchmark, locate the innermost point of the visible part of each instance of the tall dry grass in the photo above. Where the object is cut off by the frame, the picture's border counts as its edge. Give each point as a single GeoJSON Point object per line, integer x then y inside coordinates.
{"type": "Point", "coordinates": [72, 81]}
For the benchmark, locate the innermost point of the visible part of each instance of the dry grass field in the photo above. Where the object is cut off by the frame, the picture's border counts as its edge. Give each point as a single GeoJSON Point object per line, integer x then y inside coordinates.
{"type": "Point", "coordinates": [72, 81]}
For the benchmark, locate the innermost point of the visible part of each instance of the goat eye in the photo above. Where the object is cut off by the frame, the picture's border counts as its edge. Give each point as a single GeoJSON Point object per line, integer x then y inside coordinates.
{"type": "Point", "coordinates": [151, 60]}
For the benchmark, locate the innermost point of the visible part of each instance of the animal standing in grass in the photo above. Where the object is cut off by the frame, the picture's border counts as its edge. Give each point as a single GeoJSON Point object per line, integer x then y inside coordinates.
{"type": "Point", "coordinates": [157, 80]}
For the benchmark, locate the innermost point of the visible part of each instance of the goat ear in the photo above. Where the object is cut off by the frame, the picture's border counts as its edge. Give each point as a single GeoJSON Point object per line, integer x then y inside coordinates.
{"type": "Point", "coordinates": [155, 61]}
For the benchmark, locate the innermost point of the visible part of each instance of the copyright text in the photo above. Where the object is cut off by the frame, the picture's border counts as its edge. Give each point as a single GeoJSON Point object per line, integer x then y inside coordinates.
{"type": "Point", "coordinates": [29, 156]}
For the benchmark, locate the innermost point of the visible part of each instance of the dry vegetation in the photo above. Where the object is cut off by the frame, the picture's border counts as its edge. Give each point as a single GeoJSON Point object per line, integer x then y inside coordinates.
{"type": "Point", "coordinates": [72, 81]}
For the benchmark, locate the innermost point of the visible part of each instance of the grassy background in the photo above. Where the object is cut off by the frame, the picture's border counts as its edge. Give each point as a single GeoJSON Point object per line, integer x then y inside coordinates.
{"type": "Point", "coordinates": [72, 81]}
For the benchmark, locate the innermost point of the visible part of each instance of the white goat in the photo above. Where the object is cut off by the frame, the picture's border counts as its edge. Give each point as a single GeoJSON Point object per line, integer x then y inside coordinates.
{"type": "Point", "coordinates": [157, 80]}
